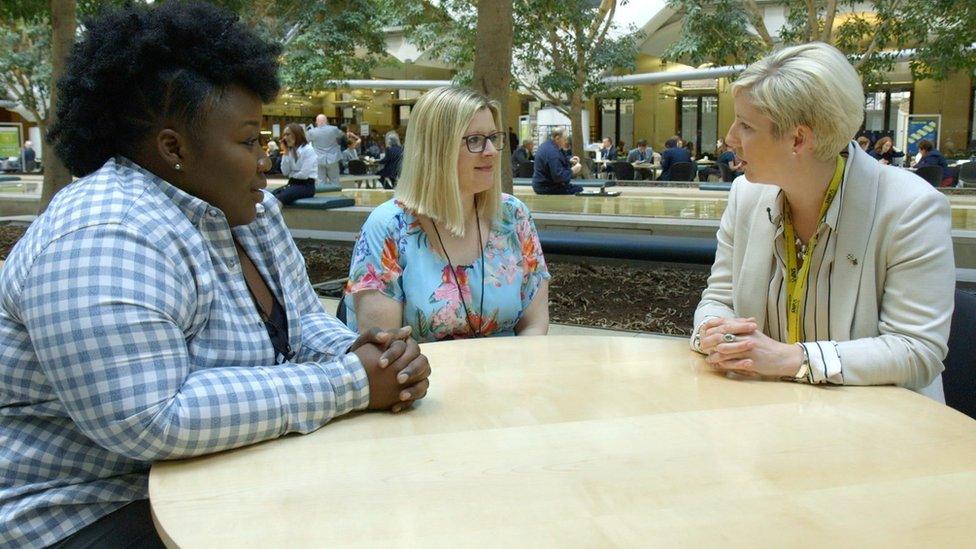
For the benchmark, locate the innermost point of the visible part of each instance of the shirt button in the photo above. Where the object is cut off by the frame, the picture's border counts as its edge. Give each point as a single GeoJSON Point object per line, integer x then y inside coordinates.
{"type": "Point", "coordinates": [232, 263]}
{"type": "Point", "coordinates": [212, 212]}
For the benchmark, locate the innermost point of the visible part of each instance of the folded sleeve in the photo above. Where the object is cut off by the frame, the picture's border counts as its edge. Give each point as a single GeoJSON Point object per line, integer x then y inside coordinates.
{"type": "Point", "coordinates": [916, 304]}
{"type": "Point", "coordinates": [111, 337]}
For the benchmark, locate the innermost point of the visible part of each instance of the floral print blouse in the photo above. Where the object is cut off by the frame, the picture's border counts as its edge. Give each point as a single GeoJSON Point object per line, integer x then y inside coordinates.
{"type": "Point", "coordinates": [393, 256]}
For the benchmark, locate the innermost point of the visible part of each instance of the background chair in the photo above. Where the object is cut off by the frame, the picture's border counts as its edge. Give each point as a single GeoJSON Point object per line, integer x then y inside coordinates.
{"type": "Point", "coordinates": [959, 377]}
{"type": "Point", "coordinates": [525, 169]}
{"type": "Point", "coordinates": [932, 174]}
{"type": "Point", "coordinates": [623, 170]}
{"type": "Point", "coordinates": [727, 174]}
{"type": "Point", "coordinates": [967, 174]}
{"type": "Point", "coordinates": [683, 171]}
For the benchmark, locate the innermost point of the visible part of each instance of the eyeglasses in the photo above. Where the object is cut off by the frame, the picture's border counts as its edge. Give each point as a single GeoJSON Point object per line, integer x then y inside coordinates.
{"type": "Point", "coordinates": [476, 143]}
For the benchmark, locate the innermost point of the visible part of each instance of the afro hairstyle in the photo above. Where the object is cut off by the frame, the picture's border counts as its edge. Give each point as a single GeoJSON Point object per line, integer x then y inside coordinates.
{"type": "Point", "coordinates": [139, 68]}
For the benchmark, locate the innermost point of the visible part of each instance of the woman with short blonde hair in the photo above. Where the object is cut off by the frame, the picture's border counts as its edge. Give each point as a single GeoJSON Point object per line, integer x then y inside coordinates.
{"type": "Point", "coordinates": [450, 255]}
{"type": "Point", "coordinates": [822, 251]}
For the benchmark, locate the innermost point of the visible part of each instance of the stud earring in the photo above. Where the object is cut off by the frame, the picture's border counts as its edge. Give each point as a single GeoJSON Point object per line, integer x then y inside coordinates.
{"type": "Point", "coordinates": [178, 166]}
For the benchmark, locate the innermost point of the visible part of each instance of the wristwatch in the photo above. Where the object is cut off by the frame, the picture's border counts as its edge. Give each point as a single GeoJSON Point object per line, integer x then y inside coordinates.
{"type": "Point", "coordinates": [803, 375]}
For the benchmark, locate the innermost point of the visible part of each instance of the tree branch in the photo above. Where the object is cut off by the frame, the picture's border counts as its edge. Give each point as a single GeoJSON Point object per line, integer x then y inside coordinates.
{"type": "Point", "coordinates": [811, 20]}
{"type": "Point", "coordinates": [829, 21]}
{"type": "Point", "coordinates": [758, 22]}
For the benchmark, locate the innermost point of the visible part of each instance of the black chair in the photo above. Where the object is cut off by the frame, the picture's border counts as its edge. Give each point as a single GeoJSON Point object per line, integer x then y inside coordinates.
{"type": "Point", "coordinates": [525, 169]}
{"type": "Point", "coordinates": [727, 174]}
{"type": "Point", "coordinates": [952, 172]}
{"type": "Point", "coordinates": [932, 174]}
{"type": "Point", "coordinates": [357, 167]}
{"type": "Point", "coordinates": [683, 171]}
{"type": "Point", "coordinates": [623, 170]}
{"type": "Point", "coordinates": [341, 309]}
{"type": "Point", "coordinates": [959, 377]}
{"type": "Point", "coordinates": [967, 174]}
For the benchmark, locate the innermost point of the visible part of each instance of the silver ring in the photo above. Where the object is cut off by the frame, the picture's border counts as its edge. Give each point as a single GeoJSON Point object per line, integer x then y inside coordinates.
{"type": "Point", "coordinates": [728, 338]}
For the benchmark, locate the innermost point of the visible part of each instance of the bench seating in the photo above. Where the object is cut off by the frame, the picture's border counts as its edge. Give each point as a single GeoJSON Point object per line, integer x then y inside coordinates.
{"type": "Point", "coordinates": [595, 183]}
{"type": "Point", "coordinates": [715, 187]}
{"type": "Point", "coordinates": [323, 202]}
{"type": "Point", "coordinates": [327, 187]}
{"type": "Point", "coordinates": [672, 249]}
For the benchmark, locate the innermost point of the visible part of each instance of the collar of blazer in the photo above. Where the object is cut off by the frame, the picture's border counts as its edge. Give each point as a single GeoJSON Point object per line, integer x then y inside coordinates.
{"type": "Point", "coordinates": [855, 224]}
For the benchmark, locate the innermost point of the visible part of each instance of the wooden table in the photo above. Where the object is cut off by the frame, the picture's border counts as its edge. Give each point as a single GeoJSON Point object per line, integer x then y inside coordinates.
{"type": "Point", "coordinates": [593, 441]}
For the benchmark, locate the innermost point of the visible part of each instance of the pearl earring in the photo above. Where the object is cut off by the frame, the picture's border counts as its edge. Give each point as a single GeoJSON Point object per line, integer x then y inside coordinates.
{"type": "Point", "coordinates": [178, 166]}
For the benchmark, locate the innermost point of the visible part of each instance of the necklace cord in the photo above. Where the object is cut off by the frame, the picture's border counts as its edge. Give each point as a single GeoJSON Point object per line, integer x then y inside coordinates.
{"type": "Point", "coordinates": [457, 284]}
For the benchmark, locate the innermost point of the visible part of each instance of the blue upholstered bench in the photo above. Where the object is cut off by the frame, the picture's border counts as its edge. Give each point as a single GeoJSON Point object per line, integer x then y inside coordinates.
{"type": "Point", "coordinates": [327, 187]}
{"type": "Point", "coordinates": [323, 202]}
{"type": "Point", "coordinates": [715, 187]}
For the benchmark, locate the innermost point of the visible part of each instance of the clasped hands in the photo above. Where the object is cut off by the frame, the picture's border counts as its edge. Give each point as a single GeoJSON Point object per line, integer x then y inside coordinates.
{"type": "Point", "coordinates": [749, 352]}
{"type": "Point", "coordinates": [396, 369]}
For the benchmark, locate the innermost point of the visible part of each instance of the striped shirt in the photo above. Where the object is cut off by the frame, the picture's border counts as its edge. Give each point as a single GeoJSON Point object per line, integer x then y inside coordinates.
{"type": "Point", "coordinates": [825, 363]}
{"type": "Point", "coordinates": [129, 336]}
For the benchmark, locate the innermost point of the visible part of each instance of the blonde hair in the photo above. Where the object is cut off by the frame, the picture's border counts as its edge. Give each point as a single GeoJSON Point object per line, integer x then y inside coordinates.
{"type": "Point", "coordinates": [429, 183]}
{"type": "Point", "coordinates": [811, 85]}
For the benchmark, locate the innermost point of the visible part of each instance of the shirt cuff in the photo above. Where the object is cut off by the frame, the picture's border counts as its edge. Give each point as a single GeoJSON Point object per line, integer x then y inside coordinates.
{"type": "Point", "coordinates": [695, 341]}
{"type": "Point", "coordinates": [825, 366]}
{"type": "Point", "coordinates": [350, 383]}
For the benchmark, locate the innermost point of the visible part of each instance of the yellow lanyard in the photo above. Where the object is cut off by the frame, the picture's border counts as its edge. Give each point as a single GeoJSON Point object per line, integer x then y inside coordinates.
{"type": "Point", "coordinates": [796, 277]}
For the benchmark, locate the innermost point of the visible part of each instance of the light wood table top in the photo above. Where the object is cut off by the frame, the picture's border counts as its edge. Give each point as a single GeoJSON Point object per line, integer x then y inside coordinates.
{"type": "Point", "coordinates": [593, 441]}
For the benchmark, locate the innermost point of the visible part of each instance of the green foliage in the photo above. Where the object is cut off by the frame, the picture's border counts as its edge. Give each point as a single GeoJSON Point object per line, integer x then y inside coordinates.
{"type": "Point", "coordinates": [323, 40]}
{"type": "Point", "coordinates": [940, 31]}
{"type": "Point", "coordinates": [25, 65]}
{"type": "Point", "coordinates": [714, 32]}
{"type": "Point", "coordinates": [558, 50]}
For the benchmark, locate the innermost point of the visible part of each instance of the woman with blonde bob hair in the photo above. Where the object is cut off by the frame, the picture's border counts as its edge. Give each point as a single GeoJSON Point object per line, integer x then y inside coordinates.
{"type": "Point", "coordinates": [450, 255]}
{"type": "Point", "coordinates": [822, 251]}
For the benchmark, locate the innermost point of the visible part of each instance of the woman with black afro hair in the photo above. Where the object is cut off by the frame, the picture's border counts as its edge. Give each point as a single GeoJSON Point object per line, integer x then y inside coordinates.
{"type": "Point", "coordinates": [159, 308]}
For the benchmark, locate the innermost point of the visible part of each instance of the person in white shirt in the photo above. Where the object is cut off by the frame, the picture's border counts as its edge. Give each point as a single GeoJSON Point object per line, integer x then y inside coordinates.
{"type": "Point", "coordinates": [324, 138]}
{"type": "Point", "coordinates": [298, 165]}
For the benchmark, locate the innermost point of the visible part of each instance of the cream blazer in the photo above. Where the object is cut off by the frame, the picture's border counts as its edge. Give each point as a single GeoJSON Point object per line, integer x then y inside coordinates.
{"type": "Point", "coordinates": [893, 278]}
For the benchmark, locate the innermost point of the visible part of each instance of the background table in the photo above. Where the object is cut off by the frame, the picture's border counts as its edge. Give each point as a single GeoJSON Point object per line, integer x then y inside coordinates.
{"type": "Point", "coordinates": [592, 441]}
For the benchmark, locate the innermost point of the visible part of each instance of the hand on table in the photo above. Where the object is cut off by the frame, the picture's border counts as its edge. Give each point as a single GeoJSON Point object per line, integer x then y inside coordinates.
{"type": "Point", "coordinates": [396, 369]}
{"type": "Point", "coordinates": [752, 353]}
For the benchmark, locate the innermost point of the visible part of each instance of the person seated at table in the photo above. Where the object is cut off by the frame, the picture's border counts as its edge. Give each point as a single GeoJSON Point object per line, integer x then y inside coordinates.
{"type": "Point", "coordinates": [522, 155]}
{"type": "Point", "coordinates": [554, 170]}
{"type": "Point", "coordinates": [450, 255]}
{"type": "Point", "coordinates": [673, 153]}
{"type": "Point", "coordinates": [831, 268]}
{"type": "Point", "coordinates": [158, 308]}
{"type": "Point", "coordinates": [931, 157]}
{"type": "Point", "coordinates": [864, 143]}
{"type": "Point", "coordinates": [642, 154]}
{"type": "Point", "coordinates": [608, 154]}
{"type": "Point", "coordinates": [726, 156]}
{"type": "Point", "coordinates": [885, 152]}
{"type": "Point", "coordinates": [351, 152]}
{"type": "Point", "coordinates": [389, 172]}
{"type": "Point", "coordinates": [299, 165]}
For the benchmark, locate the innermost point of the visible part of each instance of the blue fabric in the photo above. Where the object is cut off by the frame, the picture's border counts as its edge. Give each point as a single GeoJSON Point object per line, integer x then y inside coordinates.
{"type": "Point", "coordinates": [671, 156]}
{"type": "Point", "coordinates": [552, 171]}
{"type": "Point", "coordinates": [129, 336]}
{"type": "Point", "coordinates": [391, 163]}
{"type": "Point", "coordinates": [393, 256]}
{"type": "Point", "coordinates": [934, 158]}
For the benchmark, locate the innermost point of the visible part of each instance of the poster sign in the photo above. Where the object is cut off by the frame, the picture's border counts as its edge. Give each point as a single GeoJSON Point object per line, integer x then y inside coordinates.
{"type": "Point", "coordinates": [922, 126]}
{"type": "Point", "coordinates": [363, 129]}
{"type": "Point", "coordinates": [9, 140]}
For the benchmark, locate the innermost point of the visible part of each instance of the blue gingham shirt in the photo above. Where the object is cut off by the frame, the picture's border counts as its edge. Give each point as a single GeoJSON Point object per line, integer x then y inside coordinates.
{"type": "Point", "coordinates": [129, 336]}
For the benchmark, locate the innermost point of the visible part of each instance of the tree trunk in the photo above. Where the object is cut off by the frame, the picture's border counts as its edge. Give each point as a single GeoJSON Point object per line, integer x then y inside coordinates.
{"type": "Point", "coordinates": [493, 67]}
{"type": "Point", "coordinates": [579, 140]}
{"type": "Point", "coordinates": [63, 15]}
